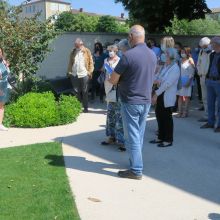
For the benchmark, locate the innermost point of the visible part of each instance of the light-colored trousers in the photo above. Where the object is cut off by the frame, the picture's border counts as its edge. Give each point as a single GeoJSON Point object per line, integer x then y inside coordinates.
{"type": "Point", "coordinates": [204, 95]}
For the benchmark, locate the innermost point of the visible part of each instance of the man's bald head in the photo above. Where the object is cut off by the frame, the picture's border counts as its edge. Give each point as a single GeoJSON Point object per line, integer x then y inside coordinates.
{"type": "Point", "coordinates": [136, 35]}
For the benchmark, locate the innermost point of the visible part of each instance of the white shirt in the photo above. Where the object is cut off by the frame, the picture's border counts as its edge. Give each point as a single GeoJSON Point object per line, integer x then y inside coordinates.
{"type": "Point", "coordinates": [79, 68]}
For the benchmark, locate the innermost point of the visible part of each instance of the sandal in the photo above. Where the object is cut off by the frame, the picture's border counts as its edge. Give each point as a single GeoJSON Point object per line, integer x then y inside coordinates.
{"type": "Point", "coordinates": [184, 115]}
{"type": "Point", "coordinates": [155, 141]}
{"type": "Point", "coordinates": [111, 140]}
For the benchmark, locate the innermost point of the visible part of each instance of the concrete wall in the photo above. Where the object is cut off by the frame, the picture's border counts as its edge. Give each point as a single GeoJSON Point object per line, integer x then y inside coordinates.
{"type": "Point", "coordinates": [55, 65]}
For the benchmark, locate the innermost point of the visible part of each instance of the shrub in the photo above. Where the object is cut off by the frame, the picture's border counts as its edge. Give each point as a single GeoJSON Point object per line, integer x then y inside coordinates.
{"type": "Point", "coordinates": [69, 108]}
{"type": "Point", "coordinates": [37, 110]}
{"type": "Point", "coordinates": [33, 84]}
{"type": "Point", "coordinates": [193, 27]}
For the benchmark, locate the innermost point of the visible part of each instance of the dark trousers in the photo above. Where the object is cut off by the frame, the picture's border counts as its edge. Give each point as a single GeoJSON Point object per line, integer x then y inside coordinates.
{"type": "Point", "coordinates": [213, 95]}
{"type": "Point", "coordinates": [96, 87]}
{"type": "Point", "coordinates": [81, 84]}
{"type": "Point", "coordinates": [164, 120]}
{"type": "Point", "coordinates": [197, 78]}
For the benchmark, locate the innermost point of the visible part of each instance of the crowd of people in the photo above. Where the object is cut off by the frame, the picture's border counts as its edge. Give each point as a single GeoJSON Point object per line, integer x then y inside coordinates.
{"type": "Point", "coordinates": [133, 74]}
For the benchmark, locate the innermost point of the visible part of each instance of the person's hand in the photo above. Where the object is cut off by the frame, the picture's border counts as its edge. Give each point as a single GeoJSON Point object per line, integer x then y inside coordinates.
{"type": "Point", "coordinates": [157, 82]}
{"type": "Point", "coordinates": [154, 99]}
{"type": "Point", "coordinates": [7, 63]}
{"type": "Point", "coordinates": [189, 83]}
{"type": "Point", "coordinates": [68, 74]}
{"type": "Point", "coordinates": [1, 93]}
{"type": "Point", "coordinates": [90, 76]}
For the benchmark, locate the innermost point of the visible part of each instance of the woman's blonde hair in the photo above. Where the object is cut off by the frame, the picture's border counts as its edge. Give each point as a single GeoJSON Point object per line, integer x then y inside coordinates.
{"type": "Point", "coordinates": [168, 42]}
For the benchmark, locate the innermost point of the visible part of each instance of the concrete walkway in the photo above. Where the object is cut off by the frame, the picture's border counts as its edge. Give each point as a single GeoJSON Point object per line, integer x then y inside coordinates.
{"type": "Point", "coordinates": [179, 183]}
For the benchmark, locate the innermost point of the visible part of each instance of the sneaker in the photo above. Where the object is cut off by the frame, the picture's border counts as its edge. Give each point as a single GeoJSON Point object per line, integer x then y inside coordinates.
{"type": "Point", "coordinates": [207, 126]}
{"type": "Point", "coordinates": [3, 128]}
{"type": "Point", "coordinates": [203, 120]}
{"type": "Point", "coordinates": [201, 109]}
{"type": "Point", "coordinates": [129, 174]}
{"type": "Point", "coordinates": [111, 140]}
{"type": "Point", "coordinates": [217, 129]}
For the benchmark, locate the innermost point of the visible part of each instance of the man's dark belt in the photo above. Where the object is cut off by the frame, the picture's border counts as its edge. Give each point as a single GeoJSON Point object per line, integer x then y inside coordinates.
{"type": "Point", "coordinates": [213, 78]}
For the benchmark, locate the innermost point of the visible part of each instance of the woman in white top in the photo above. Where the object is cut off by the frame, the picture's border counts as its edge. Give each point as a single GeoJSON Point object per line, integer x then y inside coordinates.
{"type": "Point", "coordinates": [114, 126]}
{"type": "Point", "coordinates": [187, 75]}
{"type": "Point", "coordinates": [165, 97]}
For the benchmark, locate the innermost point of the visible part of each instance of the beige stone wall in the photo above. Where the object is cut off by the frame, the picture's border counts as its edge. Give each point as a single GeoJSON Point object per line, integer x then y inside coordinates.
{"type": "Point", "coordinates": [54, 8]}
{"type": "Point", "coordinates": [47, 9]}
{"type": "Point", "coordinates": [55, 65]}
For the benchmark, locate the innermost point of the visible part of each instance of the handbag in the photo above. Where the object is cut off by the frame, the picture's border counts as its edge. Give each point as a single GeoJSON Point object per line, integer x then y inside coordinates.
{"type": "Point", "coordinates": [101, 78]}
{"type": "Point", "coordinates": [179, 84]}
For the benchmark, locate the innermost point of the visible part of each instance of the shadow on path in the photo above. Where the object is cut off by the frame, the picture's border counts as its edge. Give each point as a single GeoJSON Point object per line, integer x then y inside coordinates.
{"type": "Point", "coordinates": [81, 163]}
{"type": "Point", "coordinates": [214, 216]}
{"type": "Point", "coordinates": [192, 164]}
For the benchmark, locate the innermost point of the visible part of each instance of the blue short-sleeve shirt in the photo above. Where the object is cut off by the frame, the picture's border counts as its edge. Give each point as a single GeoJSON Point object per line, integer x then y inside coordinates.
{"type": "Point", "coordinates": [136, 69]}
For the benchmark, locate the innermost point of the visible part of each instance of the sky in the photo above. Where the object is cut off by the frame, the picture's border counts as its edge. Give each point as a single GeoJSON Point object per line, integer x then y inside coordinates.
{"type": "Point", "coordinates": [108, 7]}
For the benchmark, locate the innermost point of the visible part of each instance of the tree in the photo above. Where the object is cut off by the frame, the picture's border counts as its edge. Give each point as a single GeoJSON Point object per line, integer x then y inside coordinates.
{"type": "Point", "coordinates": [156, 15]}
{"type": "Point", "coordinates": [122, 28]}
{"type": "Point", "coordinates": [194, 27]}
{"type": "Point", "coordinates": [25, 41]}
{"type": "Point", "coordinates": [107, 24]}
{"type": "Point", "coordinates": [81, 22]}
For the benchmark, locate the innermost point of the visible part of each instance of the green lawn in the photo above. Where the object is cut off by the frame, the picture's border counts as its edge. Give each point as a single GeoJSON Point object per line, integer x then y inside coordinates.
{"type": "Point", "coordinates": [34, 185]}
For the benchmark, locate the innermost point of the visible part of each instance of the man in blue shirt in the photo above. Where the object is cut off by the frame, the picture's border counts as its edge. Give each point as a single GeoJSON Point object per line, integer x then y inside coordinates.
{"type": "Point", "coordinates": [135, 73]}
{"type": "Point", "coordinates": [213, 85]}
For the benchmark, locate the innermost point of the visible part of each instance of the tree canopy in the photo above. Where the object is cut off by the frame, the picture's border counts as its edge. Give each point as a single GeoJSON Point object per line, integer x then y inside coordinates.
{"type": "Point", "coordinates": [25, 41]}
{"type": "Point", "coordinates": [194, 27]}
{"type": "Point", "coordinates": [82, 22]}
{"type": "Point", "coordinates": [156, 15]}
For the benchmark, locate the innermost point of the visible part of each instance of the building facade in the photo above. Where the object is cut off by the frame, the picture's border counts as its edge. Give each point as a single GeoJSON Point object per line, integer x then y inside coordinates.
{"type": "Point", "coordinates": [121, 19]}
{"type": "Point", "coordinates": [46, 8]}
{"type": "Point", "coordinates": [215, 14]}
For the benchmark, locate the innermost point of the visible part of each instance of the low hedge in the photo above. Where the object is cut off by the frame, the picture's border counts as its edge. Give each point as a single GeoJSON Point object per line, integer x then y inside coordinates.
{"type": "Point", "coordinates": [37, 110]}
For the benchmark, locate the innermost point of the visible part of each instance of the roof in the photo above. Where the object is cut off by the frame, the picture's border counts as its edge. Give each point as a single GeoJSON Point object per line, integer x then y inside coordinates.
{"type": "Point", "coordinates": [75, 11]}
{"type": "Point", "coordinates": [215, 10]}
{"type": "Point", "coordinates": [55, 1]}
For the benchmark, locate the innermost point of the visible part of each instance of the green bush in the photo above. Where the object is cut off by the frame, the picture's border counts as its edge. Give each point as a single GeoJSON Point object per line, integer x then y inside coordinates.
{"type": "Point", "coordinates": [32, 84]}
{"type": "Point", "coordinates": [37, 110]}
{"type": "Point", "coordinates": [69, 108]}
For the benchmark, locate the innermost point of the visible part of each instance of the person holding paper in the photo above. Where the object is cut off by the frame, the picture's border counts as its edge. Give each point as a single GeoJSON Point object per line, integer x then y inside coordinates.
{"type": "Point", "coordinates": [114, 127]}
{"type": "Point", "coordinates": [187, 74]}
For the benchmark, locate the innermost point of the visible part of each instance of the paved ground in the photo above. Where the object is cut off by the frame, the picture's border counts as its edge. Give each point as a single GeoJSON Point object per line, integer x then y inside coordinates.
{"type": "Point", "coordinates": [180, 183]}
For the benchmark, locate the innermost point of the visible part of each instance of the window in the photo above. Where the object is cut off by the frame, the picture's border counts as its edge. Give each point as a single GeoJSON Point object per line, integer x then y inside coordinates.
{"type": "Point", "coordinates": [62, 7]}
{"type": "Point", "coordinates": [54, 7]}
{"type": "Point", "coordinates": [33, 8]}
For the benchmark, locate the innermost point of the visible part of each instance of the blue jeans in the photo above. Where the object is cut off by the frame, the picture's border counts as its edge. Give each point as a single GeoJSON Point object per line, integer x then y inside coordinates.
{"type": "Point", "coordinates": [134, 123]}
{"type": "Point", "coordinates": [213, 95]}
